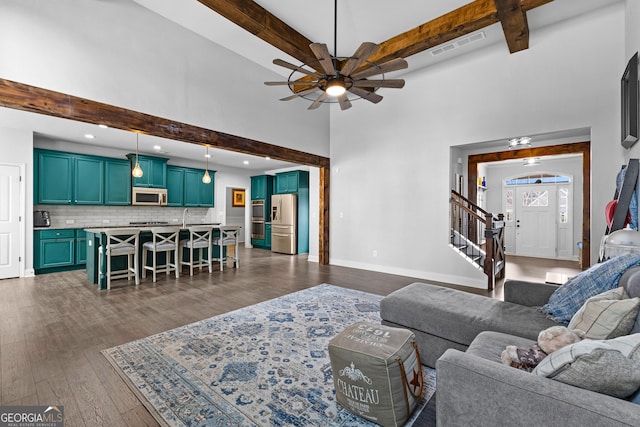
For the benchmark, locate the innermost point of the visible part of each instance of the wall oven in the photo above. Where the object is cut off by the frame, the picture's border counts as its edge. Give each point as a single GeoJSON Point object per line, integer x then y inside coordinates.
{"type": "Point", "coordinates": [142, 196]}
{"type": "Point", "coordinates": [257, 229]}
{"type": "Point", "coordinates": [257, 210]}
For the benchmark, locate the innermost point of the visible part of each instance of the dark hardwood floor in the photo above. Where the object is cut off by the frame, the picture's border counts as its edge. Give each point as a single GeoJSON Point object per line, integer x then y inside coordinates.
{"type": "Point", "coordinates": [53, 326]}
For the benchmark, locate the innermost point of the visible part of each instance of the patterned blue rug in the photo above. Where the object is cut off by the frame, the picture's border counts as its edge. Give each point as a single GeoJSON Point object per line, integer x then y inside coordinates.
{"type": "Point", "coordinates": [263, 365]}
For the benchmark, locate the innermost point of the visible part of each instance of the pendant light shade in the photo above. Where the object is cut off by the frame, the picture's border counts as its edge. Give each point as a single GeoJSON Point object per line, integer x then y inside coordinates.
{"type": "Point", "coordinates": [206, 177]}
{"type": "Point", "coordinates": [137, 170]}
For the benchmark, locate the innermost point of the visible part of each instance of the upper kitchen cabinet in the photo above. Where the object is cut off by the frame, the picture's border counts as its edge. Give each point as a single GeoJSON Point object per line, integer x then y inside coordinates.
{"type": "Point", "coordinates": [66, 179]}
{"type": "Point", "coordinates": [175, 186]}
{"type": "Point", "coordinates": [291, 182]}
{"type": "Point", "coordinates": [261, 187]}
{"type": "Point", "coordinates": [154, 171]}
{"type": "Point", "coordinates": [196, 192]}
{"type": "Point", "coordinates": [54, 177]}
{"type": "Point", "coordinates": [117, 188]}
{"type": "Point", "coordinates": [88, 181]}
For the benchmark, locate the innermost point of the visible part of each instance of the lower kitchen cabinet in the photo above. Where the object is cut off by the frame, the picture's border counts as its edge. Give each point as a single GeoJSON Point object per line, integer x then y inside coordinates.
{"type": "Point", "coordinates": [267, 236]}
{"type": "Point", "coordinates": [59, 250]}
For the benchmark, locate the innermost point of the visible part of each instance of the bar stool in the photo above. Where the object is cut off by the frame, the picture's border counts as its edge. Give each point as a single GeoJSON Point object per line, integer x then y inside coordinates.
{"type": "Point", "coordinates": [165, 239]}
{"type": "Point", "coordinates": [120, 242]}
{"type": "Point", "coordinates": [228, 237]}
{"type": "Point", "coordinates": [199, 239]}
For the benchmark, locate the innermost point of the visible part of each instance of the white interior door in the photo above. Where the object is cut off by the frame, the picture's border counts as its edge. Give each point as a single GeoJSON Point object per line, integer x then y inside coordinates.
{"type": "Point", "coordinates": [9, 221]}
{"type": "Point", "coordinates": [535, 220]}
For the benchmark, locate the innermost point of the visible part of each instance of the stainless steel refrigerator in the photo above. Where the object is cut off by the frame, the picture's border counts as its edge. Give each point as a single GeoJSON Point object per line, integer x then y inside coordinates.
{"type": "Point", "coordinates": [284, 221]}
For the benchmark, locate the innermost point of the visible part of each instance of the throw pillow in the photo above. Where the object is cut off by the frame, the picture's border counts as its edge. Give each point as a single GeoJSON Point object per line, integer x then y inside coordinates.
{"type": "Point", "coordinates": [608, 315]}
{"type": "Point", "coordinates": [630, 281]}
{"type": "Point", "coordinates": [611, 367]}
{"type": "Point", "coordinates": [568, 298]}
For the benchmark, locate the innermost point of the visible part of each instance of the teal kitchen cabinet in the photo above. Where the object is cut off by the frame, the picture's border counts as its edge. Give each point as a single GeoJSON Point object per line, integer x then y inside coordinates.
{"type": "Point", "coordinates": [291, 182]}
{"type": "Point", "coordinates": [54, 177]}
{"type": "Point", "coordinates": [81, 246]}
{"type": "Point", "coordinates": [261, 187]}
{"type": "Point", "coordinates": [88, 181]}
{"type": "Point", "coordinates": [117, 182]}
{"type": "Point", "coordinates": [175, 186]}
{"type": "Point", "coordinates": [54, 248]}
{"type": "Point", "coordinates": [267, 236]}
{"type": "Point", "coordinates": [197, 193]}
{"type": "Point", "coordinates": [154, 171]}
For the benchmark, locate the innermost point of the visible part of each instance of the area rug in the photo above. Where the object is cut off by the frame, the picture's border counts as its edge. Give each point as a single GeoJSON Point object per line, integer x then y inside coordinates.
{"type": "Point", "coordinates": [263, 365]}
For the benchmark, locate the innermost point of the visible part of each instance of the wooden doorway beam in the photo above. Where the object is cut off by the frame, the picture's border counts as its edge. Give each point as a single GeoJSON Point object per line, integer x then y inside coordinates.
{"type": "Point", "coordinates": [33, 99]}
{"type": "Point", "coordinates": [514, 24]}
{"type": "Point", "coordinates": [583, 148]}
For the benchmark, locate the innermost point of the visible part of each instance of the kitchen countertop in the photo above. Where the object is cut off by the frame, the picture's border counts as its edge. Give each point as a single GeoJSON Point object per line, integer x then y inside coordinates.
{"type": "Point", "coordinates": [146, 227]}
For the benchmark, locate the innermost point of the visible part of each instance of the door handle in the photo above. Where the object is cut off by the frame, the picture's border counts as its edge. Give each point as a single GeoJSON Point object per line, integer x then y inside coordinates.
{"type": "Point", "coordinates": [280, 235]}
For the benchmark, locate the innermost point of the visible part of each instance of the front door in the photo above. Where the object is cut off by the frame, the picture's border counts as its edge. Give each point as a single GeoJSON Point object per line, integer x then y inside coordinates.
{"type": "Point", "coordinates": [535, 225]}
{"type": "Point", "coordinates": [9, 221]}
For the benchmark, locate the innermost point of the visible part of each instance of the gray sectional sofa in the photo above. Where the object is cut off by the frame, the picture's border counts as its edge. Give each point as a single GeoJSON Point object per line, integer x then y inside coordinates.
{"type": "Point", "coordinates": [462, 335]}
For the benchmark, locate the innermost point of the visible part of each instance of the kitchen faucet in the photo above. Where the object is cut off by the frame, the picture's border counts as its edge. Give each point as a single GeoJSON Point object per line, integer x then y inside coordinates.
{"type": "Point", "coordinates": [184, 216]}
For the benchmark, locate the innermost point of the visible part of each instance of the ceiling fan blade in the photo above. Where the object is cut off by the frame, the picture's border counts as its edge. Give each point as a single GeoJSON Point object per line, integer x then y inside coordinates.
{"type": "Point", "coordinates": [345, 104]}
{"type": "Point", "coordinates": [321, 51]}
{"type": "Point", "coordinates": [299, 94]}
{"type": "Point", "coordinates": [318, 101]}
{"type": "Point", "coordinates": [365, 50]}
{"type": "Point", "coordinates": [365, 94]}
{"type": "Point", "coordinates": [393, 83]}
{"type": "Point", "coordinates": [295, 83]}
{"type": "Point", "coordinates": [299, 69]}
{"type": "Point", "coordinates": [387, 67]}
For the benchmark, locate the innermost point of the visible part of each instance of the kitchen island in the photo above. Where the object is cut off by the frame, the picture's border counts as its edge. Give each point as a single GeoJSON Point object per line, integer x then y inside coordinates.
{"type": "Point", "coordinates": [96, 237]}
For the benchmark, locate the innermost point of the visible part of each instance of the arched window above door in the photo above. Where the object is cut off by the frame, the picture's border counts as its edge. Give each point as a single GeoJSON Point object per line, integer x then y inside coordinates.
{"type": "Point", "coordinates": [538, 178]}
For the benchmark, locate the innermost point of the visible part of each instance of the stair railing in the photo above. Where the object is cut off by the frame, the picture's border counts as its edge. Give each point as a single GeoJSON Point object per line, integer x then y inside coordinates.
{"type": "Point", "coordinates": [472, 228]}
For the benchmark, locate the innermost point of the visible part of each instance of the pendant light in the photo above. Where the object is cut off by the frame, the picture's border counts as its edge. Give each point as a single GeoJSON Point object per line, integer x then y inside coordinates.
{"type": "Point", "coordinates": [137, 170]}
{"type": "Point", "coordinates": [206, 178]}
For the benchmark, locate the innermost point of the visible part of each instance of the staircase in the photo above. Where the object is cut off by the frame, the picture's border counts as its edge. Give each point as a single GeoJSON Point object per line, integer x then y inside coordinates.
{"type": "Point", "coordinates": [478, 236]}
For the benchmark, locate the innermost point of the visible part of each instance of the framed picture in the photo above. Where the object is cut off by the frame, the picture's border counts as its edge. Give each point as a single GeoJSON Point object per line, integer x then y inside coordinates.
{"type": "Point", "coordinates": [237, 198]}
{"type": "Point", "coordinates": [629, 95]}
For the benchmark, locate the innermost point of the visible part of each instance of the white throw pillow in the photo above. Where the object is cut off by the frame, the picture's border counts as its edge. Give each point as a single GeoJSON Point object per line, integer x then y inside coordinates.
{"type": "Point", "coordinates": [611, 367]}
{"type": "Point", "coordinates": [607, 315]}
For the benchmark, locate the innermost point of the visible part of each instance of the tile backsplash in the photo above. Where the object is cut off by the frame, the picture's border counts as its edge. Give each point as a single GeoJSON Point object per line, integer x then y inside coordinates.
{"type": "Point", "coordinates": [108, 216]}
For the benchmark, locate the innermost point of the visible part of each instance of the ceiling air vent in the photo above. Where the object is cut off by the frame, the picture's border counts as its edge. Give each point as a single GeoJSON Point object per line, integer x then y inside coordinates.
{"type": "Point", "coordinates": [463, 41]}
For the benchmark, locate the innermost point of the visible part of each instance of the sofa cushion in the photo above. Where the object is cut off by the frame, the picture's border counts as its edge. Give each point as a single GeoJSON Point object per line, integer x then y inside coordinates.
{"type": "Point", "coordinates": [607, 315]}
{"type": "Point", "coordinates": [611, 366]}
{"type": "Point", "coordinates": [568, 298]}
{"type": "Point", "coordinates": [489, 345]}
{"type": "Point", "coordinates": [459, 316]}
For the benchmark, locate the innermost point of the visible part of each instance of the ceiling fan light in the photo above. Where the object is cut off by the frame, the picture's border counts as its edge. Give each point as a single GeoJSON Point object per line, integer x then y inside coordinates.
{"type": "Point", "coordinates": [335, 88]}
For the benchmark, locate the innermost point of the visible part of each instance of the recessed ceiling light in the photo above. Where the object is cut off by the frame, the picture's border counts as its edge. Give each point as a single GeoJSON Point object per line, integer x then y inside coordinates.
{"type": "Point", "coordinates": [268, 158]}
{"type": "Point", "coordinates": [246, 162]}
{"type": "Point", "coordinates": [157, 147]}
{"type": "Point", "coordinates": [103, 126]}
{"type": "Point", "coordinates": [208, 156]}
{"type": "Point", "coordinates": [89, 136]}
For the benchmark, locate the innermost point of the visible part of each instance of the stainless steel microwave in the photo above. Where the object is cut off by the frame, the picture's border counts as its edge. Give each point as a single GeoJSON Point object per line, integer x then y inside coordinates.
{"type": "Point", "coordinates": [142, 196]}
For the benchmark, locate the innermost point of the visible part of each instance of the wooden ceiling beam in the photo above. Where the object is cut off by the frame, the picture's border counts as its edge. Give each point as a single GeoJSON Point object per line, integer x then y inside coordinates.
{"type": "Point", "coordinates": [258, 21]}
{"type": "Point", "coordinates": [20, 96]}
{"type": "Point", "coordinates": [514, 24]}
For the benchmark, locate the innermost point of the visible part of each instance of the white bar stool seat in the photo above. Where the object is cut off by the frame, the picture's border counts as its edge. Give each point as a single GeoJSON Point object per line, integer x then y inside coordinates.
{"type": "Point", "coordinates": [228, 237]}
{"type": "Point", "coordinates": [199, 239]}
{"type": "Point", "coordinates": [120, 242]}
{"type": "Point", "coordinates": [165, 239]}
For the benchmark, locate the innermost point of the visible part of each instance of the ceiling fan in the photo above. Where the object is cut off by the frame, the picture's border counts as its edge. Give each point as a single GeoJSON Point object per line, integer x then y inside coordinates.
{"type": "Point", "coordinates": [336, 78]}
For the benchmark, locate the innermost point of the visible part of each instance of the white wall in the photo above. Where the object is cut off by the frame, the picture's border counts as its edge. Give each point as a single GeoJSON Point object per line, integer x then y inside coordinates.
{"type": "Point", "coordinates": [391, 194]}
{"type": "Point", "coordinates": [237, 215]}
{"type": "Point", "coordinates": [119, 53]}
{"type": "Point", "coordinates": [16, 147]}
